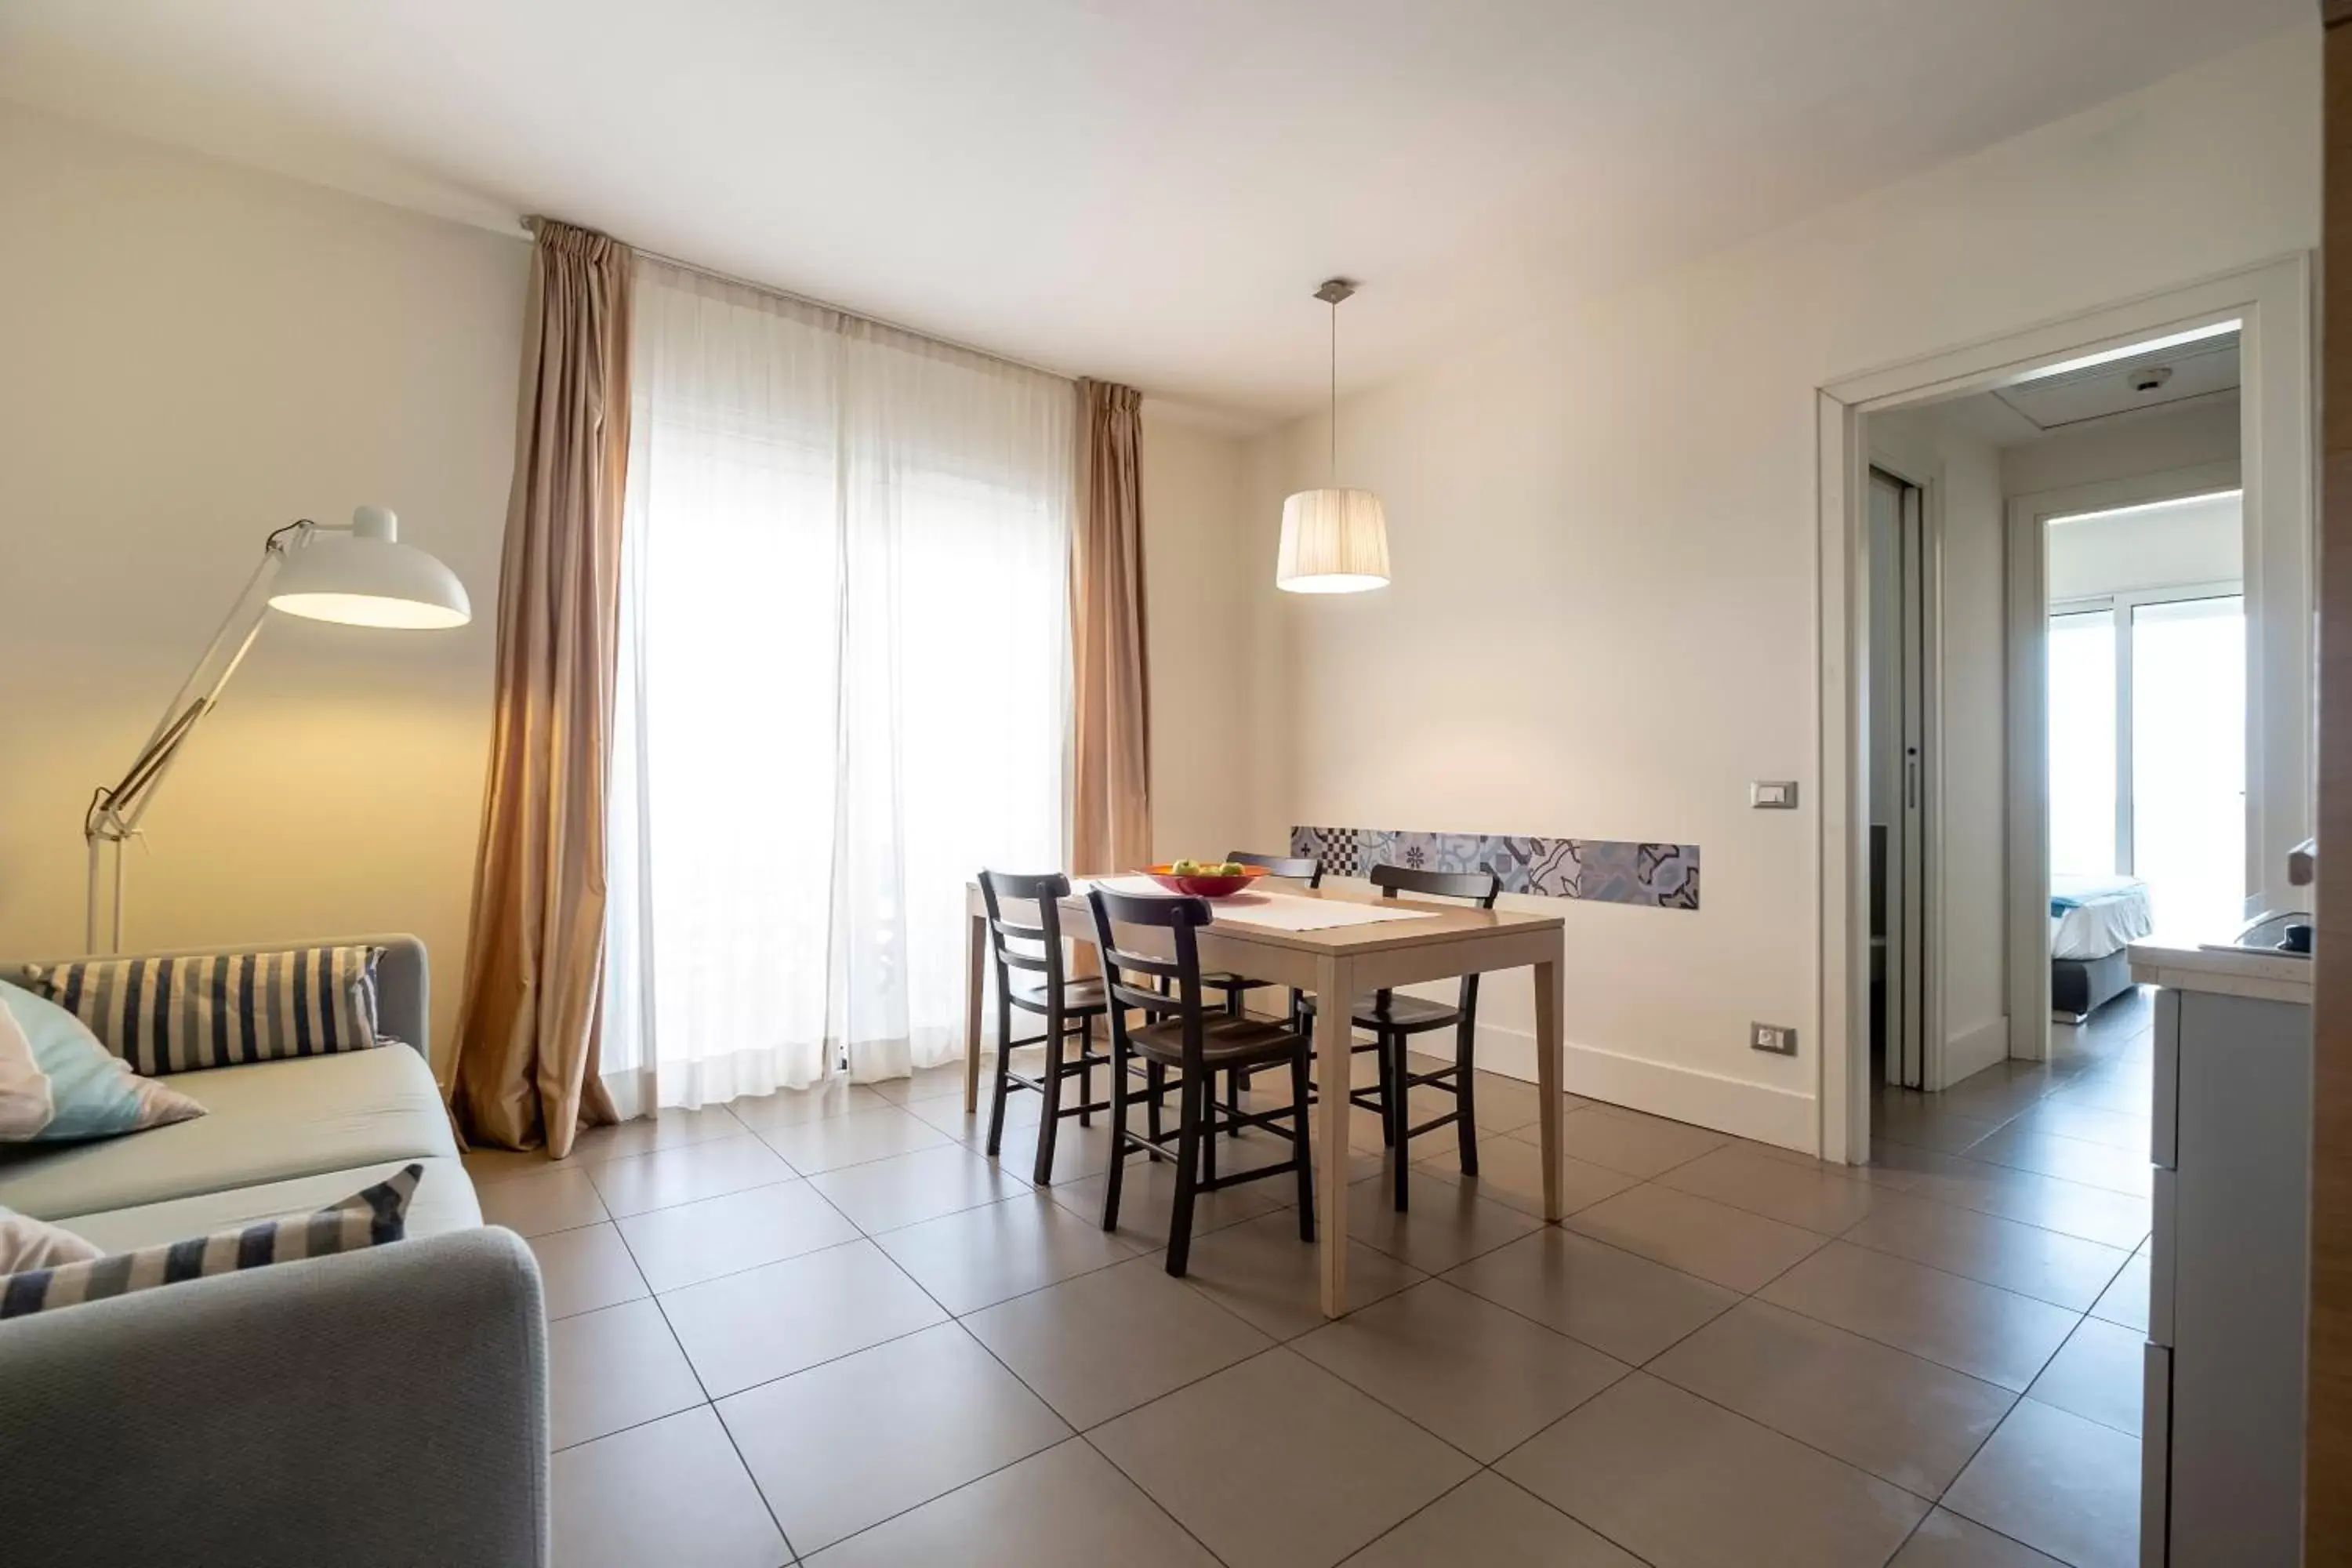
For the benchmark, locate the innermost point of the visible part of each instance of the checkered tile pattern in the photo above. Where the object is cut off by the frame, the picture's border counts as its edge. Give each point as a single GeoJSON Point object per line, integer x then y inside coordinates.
{"type": "Point", "coordinates": [1609, 871]}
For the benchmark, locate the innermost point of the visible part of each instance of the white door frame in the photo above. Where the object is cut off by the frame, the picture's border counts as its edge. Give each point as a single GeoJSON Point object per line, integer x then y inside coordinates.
{"type": "Point", "coordinates": [2272, 303]}
{"type": "Point", "coordinates": [2028, 921]}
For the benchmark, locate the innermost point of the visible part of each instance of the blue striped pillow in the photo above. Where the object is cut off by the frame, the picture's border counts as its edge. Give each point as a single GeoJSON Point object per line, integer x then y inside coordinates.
{"type": "Point", "coordinates": [367, 1218]}
{"type": "Point", "coordinates": [218, 1010]}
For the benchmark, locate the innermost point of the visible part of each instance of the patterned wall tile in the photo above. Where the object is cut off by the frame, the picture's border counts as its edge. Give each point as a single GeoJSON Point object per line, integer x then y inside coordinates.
{"type": "Point", "coordinates": [1607, 870]}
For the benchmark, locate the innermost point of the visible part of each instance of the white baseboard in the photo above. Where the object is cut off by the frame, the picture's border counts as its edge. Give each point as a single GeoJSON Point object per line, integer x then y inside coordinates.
{"type": "Point", "coordinates": [1780, 1117]}
{"type": "Point", "coordinates": [1753, 1110]}
{"type": "Point", "coordinates": [1976, 1050]}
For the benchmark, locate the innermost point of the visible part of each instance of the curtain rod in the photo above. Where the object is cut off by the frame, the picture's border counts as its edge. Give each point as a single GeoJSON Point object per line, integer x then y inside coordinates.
{"type": "Point", "coordinates": [530, 226]}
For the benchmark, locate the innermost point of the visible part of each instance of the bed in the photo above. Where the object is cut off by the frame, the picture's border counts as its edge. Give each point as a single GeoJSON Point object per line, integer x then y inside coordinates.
{"type": "Point", "coordinates": [2092, 921]}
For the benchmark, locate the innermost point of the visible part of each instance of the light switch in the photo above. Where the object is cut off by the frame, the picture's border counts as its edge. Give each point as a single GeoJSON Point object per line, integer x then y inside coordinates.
{"type": "Point", "coordinates": [1773, 795]}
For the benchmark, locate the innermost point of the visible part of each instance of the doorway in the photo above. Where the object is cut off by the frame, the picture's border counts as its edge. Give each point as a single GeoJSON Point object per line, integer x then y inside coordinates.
{"type": "Point", "coordinates": [2146, 707]}
{"type": "Point", "coordinates": [2268, 307]}
{"type": "Point", "coordinates": [2135, 738]}
{"type": "Point", "coordinates": [2141, 735]}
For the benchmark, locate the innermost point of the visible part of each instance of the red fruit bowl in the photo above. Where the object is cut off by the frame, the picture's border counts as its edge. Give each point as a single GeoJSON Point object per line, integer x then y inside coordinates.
{"type": "Point", "coordinates": [1195, 885]}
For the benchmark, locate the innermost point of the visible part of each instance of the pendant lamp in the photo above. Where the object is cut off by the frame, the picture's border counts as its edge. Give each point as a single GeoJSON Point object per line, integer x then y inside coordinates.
{"type": "Point", "coordinates": [1334, 541]}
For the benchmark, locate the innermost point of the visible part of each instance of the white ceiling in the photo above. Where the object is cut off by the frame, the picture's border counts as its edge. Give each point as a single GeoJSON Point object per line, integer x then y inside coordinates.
{"type": "Point", "coordinates": [1145, 190]}
{"type": "Point", "coordinates": [2036, 408]}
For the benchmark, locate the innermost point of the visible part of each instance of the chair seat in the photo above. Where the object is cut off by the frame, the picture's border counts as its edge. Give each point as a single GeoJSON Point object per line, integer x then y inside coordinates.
{"type": "Point", "coordinates": [1225, 1042]}
{"type": "Point", "coordinates": [1078, 996]}
{"type": "Point", "coordinates": [1409, 1013]}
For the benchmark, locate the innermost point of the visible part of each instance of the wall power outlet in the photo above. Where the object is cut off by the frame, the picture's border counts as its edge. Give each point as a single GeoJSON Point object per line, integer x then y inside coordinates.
{"type": "Point", "coordinates": [1778, 1038]}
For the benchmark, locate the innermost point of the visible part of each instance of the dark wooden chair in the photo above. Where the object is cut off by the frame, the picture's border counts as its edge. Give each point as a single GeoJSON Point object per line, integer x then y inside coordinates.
{"type": "Point", "coordinates": [1393, 1020]}
{"type": "Point", "coordinates": [1195, 1043]}
{"type": "Point", "coordinates": [1068, 1006]}
{"type": "Point", "coordinates": [1235, 988]}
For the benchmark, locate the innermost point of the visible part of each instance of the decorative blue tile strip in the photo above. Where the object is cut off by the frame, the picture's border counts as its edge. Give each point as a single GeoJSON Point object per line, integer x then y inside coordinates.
{"type": "Point", "coordinates": [1606, 870]}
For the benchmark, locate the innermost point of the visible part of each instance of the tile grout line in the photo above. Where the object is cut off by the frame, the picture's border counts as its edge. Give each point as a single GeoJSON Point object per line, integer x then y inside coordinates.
{"type": "Point", "coordinates": [1643, 1366]}
{"type": "Point", "coordinates": [1931, 1361]}
{"type": "Point", "coordinates": [1546, 1502]}
{"type": "Point", "coordinates": [1145, 1493]}
{"type": "Point", "coordinates": [739, 1456]}
{"type": "Point", "coordinates": [1416, 1513]}
{"type": "Point", "coordinates": [1990, 1285]}
{"type": "Point", "coordinates": [1991, 1213]}
{"type": "Point", "coordinates": [1075, 1433]}
{"type": "Point", "coordinates": [2029, 1393]}
{"type": "Point", "coordinates": [712, 1405]}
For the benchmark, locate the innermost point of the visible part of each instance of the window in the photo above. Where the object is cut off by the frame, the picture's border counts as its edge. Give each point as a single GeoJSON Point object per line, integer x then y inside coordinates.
{"type": "Point", "coordinates": [2082, 743]}
{"type": "Point", "coordinates": [844, 688]}
{"type": "Point", "coordinates": [2147, 757]}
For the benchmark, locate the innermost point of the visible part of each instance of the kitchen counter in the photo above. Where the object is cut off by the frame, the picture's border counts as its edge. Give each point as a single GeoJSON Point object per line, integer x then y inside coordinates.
{"type": "Point", "coordinates": [2183, 965]}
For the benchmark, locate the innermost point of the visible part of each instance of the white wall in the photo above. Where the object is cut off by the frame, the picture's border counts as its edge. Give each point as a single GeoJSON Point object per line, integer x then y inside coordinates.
{"type": "Point", "coordinates": [194, 354]}
{"type": "Point", "coordinates": [1603, 525]}
{"type": "Point", "coordinates": [1199, 625]}
{"type": "Point", "coordinates": [2173, 544]}
{"type": "Point", "coordinates": [1968, 774]}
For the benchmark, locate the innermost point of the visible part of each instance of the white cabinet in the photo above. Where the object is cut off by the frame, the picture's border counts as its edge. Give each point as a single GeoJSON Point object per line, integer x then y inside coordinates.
{"type": "Point", "coordinates": [2230, 1260]}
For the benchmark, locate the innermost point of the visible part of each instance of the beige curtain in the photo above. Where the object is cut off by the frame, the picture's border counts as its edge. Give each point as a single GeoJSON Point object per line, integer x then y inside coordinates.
{"type": "Point", "coordinates": [1110, 688]}
{"type": "Point", "coordinates": [527, 1047]}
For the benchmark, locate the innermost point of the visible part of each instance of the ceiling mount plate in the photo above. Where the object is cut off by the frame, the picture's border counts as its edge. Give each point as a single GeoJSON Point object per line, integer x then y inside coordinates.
{"type": "Point", "coordinates": [1335, 289]}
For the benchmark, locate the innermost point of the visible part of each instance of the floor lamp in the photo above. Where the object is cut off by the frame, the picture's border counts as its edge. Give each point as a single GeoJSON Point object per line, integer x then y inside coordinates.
{"type": "Point", "coordinates": [358, 573]}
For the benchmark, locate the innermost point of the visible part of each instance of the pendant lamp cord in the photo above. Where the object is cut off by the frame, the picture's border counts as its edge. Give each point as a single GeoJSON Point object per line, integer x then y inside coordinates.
{"type": "Point", "coordinates": [1335, 394]}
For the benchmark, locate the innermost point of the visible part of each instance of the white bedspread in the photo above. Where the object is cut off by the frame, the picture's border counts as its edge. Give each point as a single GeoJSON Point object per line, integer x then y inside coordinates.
{"type": "Point", "coordinates": [2102, 915]}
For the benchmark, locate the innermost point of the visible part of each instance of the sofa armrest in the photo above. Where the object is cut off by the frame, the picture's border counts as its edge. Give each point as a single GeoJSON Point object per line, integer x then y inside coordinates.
{"type": "Point", "coordinates": [381, 1406]}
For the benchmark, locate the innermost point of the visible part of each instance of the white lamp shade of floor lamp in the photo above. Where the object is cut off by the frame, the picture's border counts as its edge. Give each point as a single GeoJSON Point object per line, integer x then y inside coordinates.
{"type": "Point", "coordinates": [1333, 542]}
{"type": "Point", "coordinates": [368, 578]}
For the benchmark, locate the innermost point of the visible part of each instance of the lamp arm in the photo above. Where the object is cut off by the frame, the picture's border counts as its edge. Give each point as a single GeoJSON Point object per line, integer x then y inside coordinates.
{"type": "Point", "coordinates": [114, 810]}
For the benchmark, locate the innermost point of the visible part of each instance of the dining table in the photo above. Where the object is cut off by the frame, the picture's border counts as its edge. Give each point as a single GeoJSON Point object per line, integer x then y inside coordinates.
{"type": "Point", "coordinates": [1334, 941]}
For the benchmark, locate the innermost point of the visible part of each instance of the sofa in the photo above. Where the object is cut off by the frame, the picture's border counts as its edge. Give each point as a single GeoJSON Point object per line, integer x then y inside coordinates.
{"type": "Point", "coordinates": [387, 1406]}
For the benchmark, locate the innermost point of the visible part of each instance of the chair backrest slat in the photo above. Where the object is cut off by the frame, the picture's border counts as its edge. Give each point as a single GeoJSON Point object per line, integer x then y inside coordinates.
{"type": "Point", "coordinates": [1479, 887]}
{"type": "Point", "coordinates": [1046, 891]}
{"type": "Point", "coordinates": [1296, 867]}
{"type": "Point", "coordinates": [1181, 918]}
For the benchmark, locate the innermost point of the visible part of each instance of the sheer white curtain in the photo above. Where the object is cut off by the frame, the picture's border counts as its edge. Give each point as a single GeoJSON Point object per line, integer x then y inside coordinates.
{"type": "Point", "coordinates": [843, 688]}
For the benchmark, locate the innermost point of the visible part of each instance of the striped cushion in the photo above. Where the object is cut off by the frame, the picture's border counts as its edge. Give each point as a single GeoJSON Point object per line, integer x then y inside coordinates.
{"type": "Point", "coordinates": [174, 1015]}
{"type": "Point", "coordinates": [365, 1219]}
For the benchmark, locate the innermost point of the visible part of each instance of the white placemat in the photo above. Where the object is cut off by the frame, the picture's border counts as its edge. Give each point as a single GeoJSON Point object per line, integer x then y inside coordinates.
{"type": "Point", "coordinates": [1280, 911]}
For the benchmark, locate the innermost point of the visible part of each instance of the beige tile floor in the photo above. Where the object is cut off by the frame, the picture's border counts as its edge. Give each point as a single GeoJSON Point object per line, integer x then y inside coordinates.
{"type": "Point", "coordinates": [825, 1328]}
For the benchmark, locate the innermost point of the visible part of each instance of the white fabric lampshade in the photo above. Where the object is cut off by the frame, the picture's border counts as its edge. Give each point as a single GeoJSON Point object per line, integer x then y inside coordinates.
{"type": "Point", "coordinates": [1333, 542]}
{"type": "Point", "coordinates": [368, 578]}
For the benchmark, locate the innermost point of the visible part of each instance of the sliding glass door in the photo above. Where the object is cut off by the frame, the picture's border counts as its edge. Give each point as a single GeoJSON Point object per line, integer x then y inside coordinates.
{"type": "Point", "coordinates": [2188, 798]}
{"type": "Point", "coordinates": [2147, 756]}
{"type": "Point", "coordinates": [2084, 739]}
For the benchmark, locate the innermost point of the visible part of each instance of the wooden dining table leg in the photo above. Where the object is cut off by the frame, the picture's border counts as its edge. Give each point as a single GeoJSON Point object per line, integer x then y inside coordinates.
{"type": "Point", "coordinates": [1548, 1071]}
{"type": "Point", "coordinates": [975, 961]}
{"type": "Point", "coordinates": [1334, 987]}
